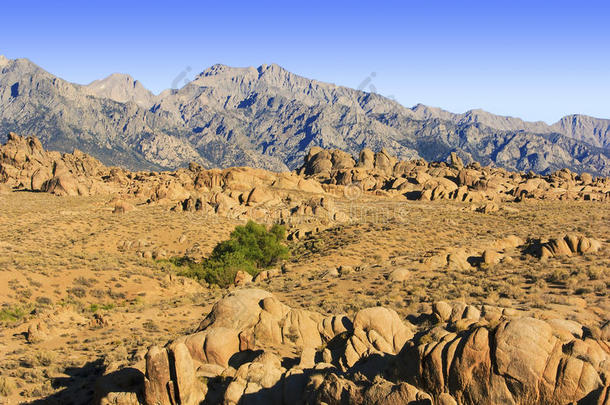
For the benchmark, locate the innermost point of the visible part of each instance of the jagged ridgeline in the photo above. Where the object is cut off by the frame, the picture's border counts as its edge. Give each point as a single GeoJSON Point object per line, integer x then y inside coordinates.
{"type": "Point", "coordinates": [269, 118]}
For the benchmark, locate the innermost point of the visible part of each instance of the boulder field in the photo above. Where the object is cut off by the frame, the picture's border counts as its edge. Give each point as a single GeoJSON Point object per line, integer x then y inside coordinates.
{"type": "Point", "coordinates": [253, 349]}
{"type": "Point", "coordinates": [383, 174]}
{"type": "Point", "coordinates": [25, 165]}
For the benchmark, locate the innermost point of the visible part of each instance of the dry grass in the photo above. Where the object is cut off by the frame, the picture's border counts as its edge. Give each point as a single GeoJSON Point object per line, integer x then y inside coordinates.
{"type": "Point", "coordinates": [85, 273]}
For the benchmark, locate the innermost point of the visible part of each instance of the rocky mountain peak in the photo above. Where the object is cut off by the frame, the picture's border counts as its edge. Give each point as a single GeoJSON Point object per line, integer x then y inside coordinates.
{"type": "Point", "coordinates": [592, 130]}
{"type": "Point", "coordinates": [276, 75]}
{"type": "Point", "coordinates": [220, 70]}
{"type": "Point", "coordinates": [20, 65]}
{"type": "Point", "coordinates": [273, 69]}
{"type": "Point", "coordinates": [122, 88]}
{"type": "Point", "coordinates": [215, 70]}
{"type": "Point", "coordinates": [268, 117]}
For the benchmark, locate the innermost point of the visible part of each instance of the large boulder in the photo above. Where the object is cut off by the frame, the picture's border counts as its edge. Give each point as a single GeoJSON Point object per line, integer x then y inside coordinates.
{"type": "Point", "coordinates": [568, 245]}
{"type": "Point", "coordinates": [244, 321]}
{"type": "Point", "coordinates": [455, 161]}
{"type": "Point", "coordinates": [519, 361]}
{"type": "Point", "coordinates": [259, 195]}
{"type": "Point", "coordinates": [366, 159]}
{"type": "Point", "coordinates": [376, 330]}
{"type": "Point", "coordinates": [260, 378]}
{"type": "Point", "coordinates": [63, 185]}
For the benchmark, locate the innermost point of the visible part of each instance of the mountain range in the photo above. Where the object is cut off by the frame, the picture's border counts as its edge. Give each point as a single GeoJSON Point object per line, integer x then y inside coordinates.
{"type": "Point", "coordinates": [268, 117]}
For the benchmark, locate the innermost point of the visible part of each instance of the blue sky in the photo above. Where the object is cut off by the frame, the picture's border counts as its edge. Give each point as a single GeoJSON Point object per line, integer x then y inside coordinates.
{"type": "Point", "coordinates": [534, 60]}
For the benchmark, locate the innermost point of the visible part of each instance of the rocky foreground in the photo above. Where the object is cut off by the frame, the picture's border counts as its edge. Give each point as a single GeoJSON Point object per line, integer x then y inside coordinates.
{"type": "Point", "coordinates": [252, 349]}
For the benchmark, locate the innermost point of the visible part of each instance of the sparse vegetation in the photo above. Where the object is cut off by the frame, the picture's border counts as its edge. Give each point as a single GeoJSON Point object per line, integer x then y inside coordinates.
{"type": "Point", "coordinates": [12, 314]}
{"type": "Point", "coordinates": [104, 307]}
{"type": "Point", "coordinates": [152, 306]}
{"type": "Point", "coordinates": [250, 248]}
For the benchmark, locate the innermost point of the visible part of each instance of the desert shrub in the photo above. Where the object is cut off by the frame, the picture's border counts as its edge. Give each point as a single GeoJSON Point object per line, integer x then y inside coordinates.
{"type": "Point", "coordinates": [11, 314]}
{"type": "Point", "coordinates": [252, 244]}
{"type": "Point", "coordinates": [600, 288]}
{"type": "Point", "coordinates": [250, 248]}
{"type": "Point", "coordinates": [85, 282]}
{"type": "Point", "coordinates": [595, 273]}
{"type": "Point", "coordinates": [44, 301]}
{"type": "Point", "coordinates": [559, 276]}
{"type": "Point", "coordinates": [150, 326]}
{"type": "Point", "coordinates": [103, 307]}
{"type": "Point", "coordinates": [116, 295]}
{"type": "Point", "coordinates": [25, 293]}
{"type": "Point", "coordinates": [97, 293]}
{"type": "Point", "coordinates": [45, 358]}
{"type": "Point", "coordinates": [77, 292]}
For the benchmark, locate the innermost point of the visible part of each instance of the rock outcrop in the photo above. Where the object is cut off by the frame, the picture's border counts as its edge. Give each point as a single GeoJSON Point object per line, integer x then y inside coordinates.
{"type": "Point", "coordinates": [472, 355]}
{"type": "Point", "coordinates": [24, 164]}
{"type": "Point", "coordinates": [518, 361]}
{"type": "Point", "coordinates": [238, 193]}
{"type": "Point", "coordinates": [420, 180]}
{"type": "Point", "coordinates": [569, 245]}
{"type": "Point", "coordinates": [242, 192]}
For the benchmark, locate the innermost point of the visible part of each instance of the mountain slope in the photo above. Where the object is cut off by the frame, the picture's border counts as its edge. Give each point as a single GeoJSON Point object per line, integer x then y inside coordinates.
{"type": "Point", "coordinates": [121, 88]}
{"type": "Point", "coordinates": [588, 129]}
{"type": "Point", "coordinates": [268, 117]}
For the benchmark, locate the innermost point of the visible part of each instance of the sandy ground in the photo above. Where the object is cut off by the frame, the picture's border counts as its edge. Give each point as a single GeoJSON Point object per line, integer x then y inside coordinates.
{"type": "Point", "coordinates": [90, 277]}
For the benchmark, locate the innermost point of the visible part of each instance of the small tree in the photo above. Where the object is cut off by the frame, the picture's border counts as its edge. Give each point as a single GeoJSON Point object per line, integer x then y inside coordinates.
{"type": "Point", "coordinates": [252, 243]}
{"type": "Point", "coordinates": [250, 248]}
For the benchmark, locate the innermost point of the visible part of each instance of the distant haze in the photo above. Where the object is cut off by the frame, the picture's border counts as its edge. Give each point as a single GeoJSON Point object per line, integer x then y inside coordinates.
{"type": "Point", "coordinates": [535, 62]}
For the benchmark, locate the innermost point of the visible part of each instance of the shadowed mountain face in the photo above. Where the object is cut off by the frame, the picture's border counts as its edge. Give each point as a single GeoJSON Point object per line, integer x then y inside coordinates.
{"type": "Point", "coordinates": [268, 117]}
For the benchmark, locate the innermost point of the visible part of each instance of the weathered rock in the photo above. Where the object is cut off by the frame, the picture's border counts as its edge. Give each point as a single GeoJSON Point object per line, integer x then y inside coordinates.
{"type": "Point", "coordinates": [515, 361]}
{"type": "Point", "coordinates": [259, 195]}
{"type": "Point", "coordinates": [376, 330]}
{"type": "Point", "coordinates": [488, 208]}
{"type": "Point", "coordinates": [157, 382]}
{"type": "Point", "coordinates": [334, 390]}
{"type": "Point", "coordinates": [518, 361]}
{"type": "Point", "coordinates": [121, 207]}
{"type": "Point", "coordinates": [242, 278]}
{"type": "Point", "coordinates": [63, 185]}
{"type": "Point", "coordinates": [366, 159]}
{"type": "Point", "coordinates": [511, 241]}
{"type": "Point", "coordinates": [586, 178]}
{"type": "Point", "coordinates": [188, 388]}
{"type": "Point", "coordinates": [442, 310]}
{"type": "Point", "coordinates": [37, 332]}
{"type": "Point", "coordinates": [259, 379]}
{"type": "Point", "coordinates": [399, 275]}
{"type": "Point", "coordinates": [456, 161]}
{"type": "Point", "coordinates": [568, 245]}
{"type": "Point", "coordinates": [491, 257]}
{"type": "Point", "coordinates": [458, 260]}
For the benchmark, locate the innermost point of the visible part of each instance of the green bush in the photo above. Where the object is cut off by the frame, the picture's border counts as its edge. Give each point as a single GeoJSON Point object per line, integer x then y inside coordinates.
{"type": "Point", "coordinates": [12, 314]}
{"type": "Point", "coordinates": [104, 307]}
{"type": "Point", "coordinates": [250, 248]}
